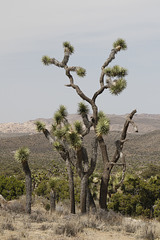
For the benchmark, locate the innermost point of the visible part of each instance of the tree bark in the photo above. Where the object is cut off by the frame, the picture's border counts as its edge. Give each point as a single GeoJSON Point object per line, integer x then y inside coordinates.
{"type": "Point", "coordinates": [71, 186]}
{"type": "Point", "coordinates": [83, 194]}
{"type": "Point", "coordinates": [104, 189]}
{"type": "Point", "coordinates": [28, 184]}
{"type": "Point", "coordinates": [90, 201]}
{"type": "Point", "coordinates": [52, 201]}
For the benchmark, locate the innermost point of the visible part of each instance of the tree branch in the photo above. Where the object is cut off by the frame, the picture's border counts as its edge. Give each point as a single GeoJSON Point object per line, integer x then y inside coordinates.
{"type": "Point", "coordinates": [88, 124]}
{"type": "Point", "coordinates": [94, 156]}
{"type": "Point", "coordinates": [99, 92]}
{"type": "Point", "coordinates": [106, 63]}
{"type": "Point", "coordinates": [123, 172]}
{"type": "Point", "coordinates": [120, 143]}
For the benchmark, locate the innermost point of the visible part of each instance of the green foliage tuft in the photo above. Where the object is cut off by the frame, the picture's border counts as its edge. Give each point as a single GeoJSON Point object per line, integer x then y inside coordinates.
{"type": "Point", "coordinates": [78, 127]}
{"type": "Point", "coordinates": [116, 71]}
{"type": "Point", "coordinates": [81, 72]}
{"type": "Point", "coordinates": [69, 47]}
{"type": "Point", "coordinates": [46, 60]}
{"type": "Point", "coordinates": [54, 127]}
{"type": "Point", "coordinates": [60, 132]}
{"type": "Point", "coordinates": [108, 71]}
{"type": "Point", "coordinates": [74, 139]}
{"type": "Point", "coordinates": [22, 154]}
{"type": "Point", "coordinates": [40, 126]}
{"type": "Point", "coordinates": [58, 146]}
{"type": "Point", "coordinates": [63, 111]}
{"type": "Point", "coordinates": [101, 114]}
{"type": "Point", "coordinates": [118, 87]}
{"type": "Point", "coordinates": [58, 117]}
{"type": "Point", "coordinates": [83, 108]}
{"type": "Point", "coordinates": [120, 42]}
{"type": "Point", "coordinates": [102, 127]}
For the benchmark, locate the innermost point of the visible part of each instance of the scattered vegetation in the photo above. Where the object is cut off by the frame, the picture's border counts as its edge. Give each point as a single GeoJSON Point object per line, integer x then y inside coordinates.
{"type": "Point", "coordinates": [67, 226]}
{"type": "Point", "coordinates": [11, 187]}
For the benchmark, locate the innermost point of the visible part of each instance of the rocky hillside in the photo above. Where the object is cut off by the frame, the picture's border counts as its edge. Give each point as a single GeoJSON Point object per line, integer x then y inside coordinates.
{"type": "Point", "coordinates": [145, 122]}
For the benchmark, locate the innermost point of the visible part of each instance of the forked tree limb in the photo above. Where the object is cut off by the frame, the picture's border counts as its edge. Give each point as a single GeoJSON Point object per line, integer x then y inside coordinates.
{"type": "Point", "coordinates": [120, 143]}
{"type": "Point", "coordinates": [106, 63]}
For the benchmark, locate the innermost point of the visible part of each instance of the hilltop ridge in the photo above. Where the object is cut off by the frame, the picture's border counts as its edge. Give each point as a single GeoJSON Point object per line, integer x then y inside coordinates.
{"type": "Point", "coordinates": [145, 122]}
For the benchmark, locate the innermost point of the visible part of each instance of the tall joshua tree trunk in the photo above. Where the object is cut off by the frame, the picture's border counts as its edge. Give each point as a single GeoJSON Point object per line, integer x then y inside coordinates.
{"type": "Point", "coordinates": [85, 171]}
{"type": "Point", "coordinates": [22, 156]}
{"type": "Point", "coordinates": [28, 184]}
{"type": "Point", "coordinates": [83, 194]}
{"type": "Point", "coordinates": [71, 186]}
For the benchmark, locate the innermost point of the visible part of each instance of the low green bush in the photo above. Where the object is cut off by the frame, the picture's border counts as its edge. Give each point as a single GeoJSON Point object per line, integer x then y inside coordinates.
{"type": "Point", "coordinates": [137, 197]}
{"type": "Point", "coordinates": [11, 187]}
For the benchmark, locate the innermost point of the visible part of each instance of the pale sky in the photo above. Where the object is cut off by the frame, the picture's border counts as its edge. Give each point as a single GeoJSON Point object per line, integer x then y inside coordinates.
{"type": "Point", "coordinates": [33, 28]}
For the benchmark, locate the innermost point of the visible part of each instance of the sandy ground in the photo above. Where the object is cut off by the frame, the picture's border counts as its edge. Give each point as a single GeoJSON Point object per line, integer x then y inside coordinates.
{"type": "Point", "coordinates": [42, 226]}
{"type": "Point", "coordinates": [88, 234]}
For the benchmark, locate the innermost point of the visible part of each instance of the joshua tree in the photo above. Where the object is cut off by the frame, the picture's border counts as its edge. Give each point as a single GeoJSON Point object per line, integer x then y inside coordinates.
{"type": "Point", "coordinates": [67, 140]}
{"type": "Point", "coordinates": [22, 155]}
{"type": "Point", "coordinates": [113, 79]}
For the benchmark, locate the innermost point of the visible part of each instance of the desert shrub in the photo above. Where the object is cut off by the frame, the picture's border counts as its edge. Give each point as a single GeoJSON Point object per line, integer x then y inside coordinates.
{"type": "Point", "coordinates": [42, 189]}
{"type": "Point", "coordinates": [59, 185]}
{"type": "Point", "coordinates": [139, 210]}
{"type": "Point", "coordinates": [157, 209]}
{"type": "Point", "coordinates": [70, 228]}
{"type": "Point", "coordinates": [38, 216]}
{"type": "Point", "coordinates": [47, 207]}
{"type": "Point", "coordinates": [8, 225]}
{"type": "Point", "coordinates": [11, 187]}
{"type": "Point", "coordinates": [44, 227]}
{"type": "Point", "coordinates": [124, 203]}
{"type": "Point", "coordinates": [137, 196]}
{"type": "Point", "coordinates": [16, 206]}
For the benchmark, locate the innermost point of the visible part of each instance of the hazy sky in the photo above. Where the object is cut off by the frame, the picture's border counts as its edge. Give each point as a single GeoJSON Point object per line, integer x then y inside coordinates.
{"type": "Point", "coordinates": [33, 28]}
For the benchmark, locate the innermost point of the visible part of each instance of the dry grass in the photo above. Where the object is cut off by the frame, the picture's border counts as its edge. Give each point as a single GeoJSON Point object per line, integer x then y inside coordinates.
{"type": "Point", "coordinates": [64, 226]}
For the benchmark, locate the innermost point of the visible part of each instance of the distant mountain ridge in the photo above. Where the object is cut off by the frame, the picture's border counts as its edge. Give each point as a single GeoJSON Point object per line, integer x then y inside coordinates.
{"type": "Point", "coordinates": [145, 122]}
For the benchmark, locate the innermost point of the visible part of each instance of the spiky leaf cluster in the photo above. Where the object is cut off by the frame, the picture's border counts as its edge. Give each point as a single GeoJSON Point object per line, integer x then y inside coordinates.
{"type": "Point", "coordinates": [120, 42]}
{"type": "Point", "coordinates": [60, 133]}
{"type": "Point", "coordinates": [63, 111]}
{"type": "Point", "coordinates": [101, 114]}
{"type": "Point", "coordinates": [69, 47]}
{"type": "Point", "coordinates": [60, 114]}
{"type": "Point", "coordinates": [82, 108]}
{"type": "Point", "coordinates": [118, 86]}
{"type": "Point", "coordinates": [78, 127]}
{"type": "Point", "coordinates": [116, 71]}
{"type": "Point", "coordinates": [22, 154]}
{"type": "Point", "coordinates": [81, 72]}
{"type": "Point", "coordinates": [40, 126]}
{"type": "Point", "coordinates": [102, 127]}
{"type": "Point", "coordinates": [58, 146]}
{"type": "Point", "coordinates": [46, 60]}
{"type": "Point", "coordinates": [74, 139]}
{"type": "Point", "coordinates": [58, 117]}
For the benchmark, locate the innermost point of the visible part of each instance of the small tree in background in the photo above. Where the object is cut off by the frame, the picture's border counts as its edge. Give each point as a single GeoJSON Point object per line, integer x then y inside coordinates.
{"type": "Point", "coordinates": [22, 156]}
{"type": "Point", "coordinates": [68, 140]}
